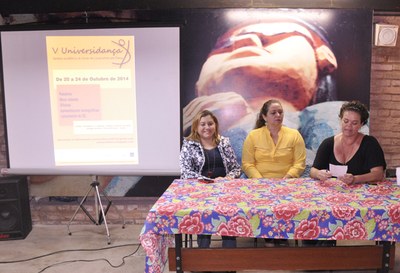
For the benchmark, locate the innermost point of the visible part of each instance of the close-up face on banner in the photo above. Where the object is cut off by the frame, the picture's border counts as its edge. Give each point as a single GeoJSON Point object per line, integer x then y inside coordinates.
{"type": "Point", "coordinates": [295, 57]}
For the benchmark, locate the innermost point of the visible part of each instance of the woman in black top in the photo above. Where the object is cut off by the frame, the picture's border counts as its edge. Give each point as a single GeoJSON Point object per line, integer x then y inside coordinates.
{"type": "Point", "coordinates": [361, 153]}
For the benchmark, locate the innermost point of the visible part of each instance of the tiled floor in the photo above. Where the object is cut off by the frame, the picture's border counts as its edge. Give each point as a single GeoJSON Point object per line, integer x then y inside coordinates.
{"type": "Point", "coordinates": [49, 249]}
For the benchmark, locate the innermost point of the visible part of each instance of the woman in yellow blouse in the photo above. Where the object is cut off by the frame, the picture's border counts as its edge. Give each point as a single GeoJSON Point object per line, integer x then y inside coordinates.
{"type": "Point", "coordinates": [272, 150]}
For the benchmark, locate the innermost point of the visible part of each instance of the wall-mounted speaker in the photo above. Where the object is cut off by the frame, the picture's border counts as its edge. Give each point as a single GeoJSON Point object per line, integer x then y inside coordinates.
{"type": "Point", "coordinates": [15, 212]}
{"type": "Point", "coordinates": [386, 35]}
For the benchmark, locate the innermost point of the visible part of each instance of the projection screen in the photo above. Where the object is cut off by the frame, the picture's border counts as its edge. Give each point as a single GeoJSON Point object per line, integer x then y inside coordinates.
{"type": "Point", "coordinates": [92, 101]}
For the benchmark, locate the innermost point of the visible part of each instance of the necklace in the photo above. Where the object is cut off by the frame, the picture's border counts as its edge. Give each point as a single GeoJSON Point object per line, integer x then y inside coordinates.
{"type": "Point", "coordinates": [210, 171]}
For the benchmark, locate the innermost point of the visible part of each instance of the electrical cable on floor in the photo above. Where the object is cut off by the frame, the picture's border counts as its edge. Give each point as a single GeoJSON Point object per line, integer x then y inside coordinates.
{"type": "Point", "coordinates": [93, 260]}
{"type": "Point", "coordinates": [79, 250]}
{"type": "Point", "coordinates": [69, 250]}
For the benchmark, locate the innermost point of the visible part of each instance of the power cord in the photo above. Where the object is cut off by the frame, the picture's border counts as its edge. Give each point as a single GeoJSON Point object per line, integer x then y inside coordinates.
{"type": "Point", "coordinates": [79, 250]}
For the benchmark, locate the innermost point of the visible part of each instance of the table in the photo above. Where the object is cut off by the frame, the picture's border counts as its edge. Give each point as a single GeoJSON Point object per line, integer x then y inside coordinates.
{"type": "Point", "coordinates": [299, 209]}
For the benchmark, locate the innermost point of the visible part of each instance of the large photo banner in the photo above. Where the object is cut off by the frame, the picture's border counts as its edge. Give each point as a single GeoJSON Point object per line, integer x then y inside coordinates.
{"type": "Point", "coordinates": [310, 60]}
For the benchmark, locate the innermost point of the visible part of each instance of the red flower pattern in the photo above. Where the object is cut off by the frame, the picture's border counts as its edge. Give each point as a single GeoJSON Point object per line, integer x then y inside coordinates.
{"type": "Point", "coordinates": [339, 234]}
{"type": "Point", "coordinates": [283, 190]}
{"type": "Point", "coordinates": [307, 229]}
{"type": "Point", "coordinates": [339, 199]}
{"type": "Point", "coordinates": [183, 191]}
{"type": "Point", "coordinates": [380, 190]}
{"type": "Point", "coordinates": [355, 230]}
{"type": "Point", "coordinates": [235, 184]}
{"type": "Point", "coordinates": [285, 211]}
{"type": "Point", "coordinates": [226, 210]}
{"type": "Point", "coordinates": [394, 213]}
{"type": "Point", "coordinates": [191, 224]}
{"type": "Point", "coordinates": [169, 209]}
{"type": "Point", "coordinates": [344, 212]}
{"type": "Point", "coordinates": [231, 199]}
{"type": "Point", "coordinates": [223, 230]}
{"type": "Point", "coordinates": [150, 242]}
{"type": "Point", "coordinates": [371, 202]}
{"type": "Point", "coordinates": [261, 202]}
{"type": "Point", "coordinates": [236, 226]}
{"type": "Point", "coordinates": [252, 207]}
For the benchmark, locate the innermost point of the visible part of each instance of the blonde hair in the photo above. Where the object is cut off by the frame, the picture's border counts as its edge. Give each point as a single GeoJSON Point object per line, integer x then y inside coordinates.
{"type": "Point", "coordinates": [194, 135]}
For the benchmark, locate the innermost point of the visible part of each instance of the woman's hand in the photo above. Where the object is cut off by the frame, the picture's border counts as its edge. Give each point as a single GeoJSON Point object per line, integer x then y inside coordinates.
{"type": "Point", "coordinates": [222, 178]}
{"type": "Point", "coordinates": [347, 178]}
{"type": "Point", "coordinates": [324, 175]}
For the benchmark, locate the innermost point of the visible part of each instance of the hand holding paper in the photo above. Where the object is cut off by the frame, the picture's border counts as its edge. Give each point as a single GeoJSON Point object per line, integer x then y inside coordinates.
{"type": "Point", "coordinates": [337, 170]}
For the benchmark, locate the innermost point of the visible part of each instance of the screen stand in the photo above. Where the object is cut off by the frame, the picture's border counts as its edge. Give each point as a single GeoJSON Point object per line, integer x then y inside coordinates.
{"type": "Point", "coordinates": [100, 211]}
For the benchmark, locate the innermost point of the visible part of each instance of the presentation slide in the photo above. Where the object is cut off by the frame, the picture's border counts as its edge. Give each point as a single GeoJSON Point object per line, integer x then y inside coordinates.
{"type": "Point", "coordinates": [83, 72]}
{"type": "Point", "coordinates": [98, 101]}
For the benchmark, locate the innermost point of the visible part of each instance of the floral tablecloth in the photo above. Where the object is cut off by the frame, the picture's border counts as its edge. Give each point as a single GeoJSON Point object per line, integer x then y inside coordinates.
{"type": "Point", "coordinates": [300, 208]}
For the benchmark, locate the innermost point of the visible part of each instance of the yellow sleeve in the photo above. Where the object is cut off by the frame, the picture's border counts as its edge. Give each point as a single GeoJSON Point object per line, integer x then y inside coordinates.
{"type": "Point", "coordinates": [248, 159]}
{"type": "Point", "coordinates": [299, 163]}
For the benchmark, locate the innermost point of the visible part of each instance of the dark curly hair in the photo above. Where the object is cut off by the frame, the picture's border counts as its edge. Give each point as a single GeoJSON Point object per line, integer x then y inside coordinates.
{"type": "Point", "coordinates": [355, 106]}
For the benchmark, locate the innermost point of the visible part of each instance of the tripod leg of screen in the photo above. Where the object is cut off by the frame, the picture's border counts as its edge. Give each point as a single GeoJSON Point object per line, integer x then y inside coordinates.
{"type": "Point", "coordinates": [104, 219]}
{"type": "Point", "coordinates": [80, 207]}
{"type": "Point", "coordinates": [110, 203]}
{"type": "Point", "coordinates": [99, 209]}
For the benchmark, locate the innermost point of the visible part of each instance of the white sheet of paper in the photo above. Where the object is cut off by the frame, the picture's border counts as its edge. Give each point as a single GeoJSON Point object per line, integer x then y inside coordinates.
{"type": "Point", "coordinates": [337, 170]}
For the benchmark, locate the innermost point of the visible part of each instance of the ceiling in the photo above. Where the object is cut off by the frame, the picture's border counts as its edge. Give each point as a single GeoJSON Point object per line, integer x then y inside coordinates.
{"type": "Point", "coordinates": [8, 7]}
